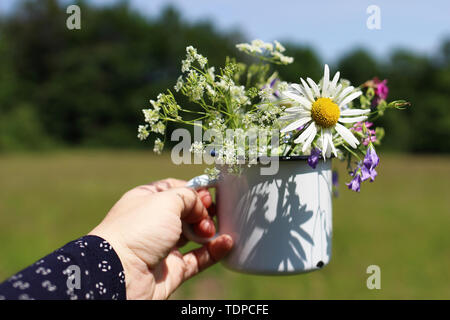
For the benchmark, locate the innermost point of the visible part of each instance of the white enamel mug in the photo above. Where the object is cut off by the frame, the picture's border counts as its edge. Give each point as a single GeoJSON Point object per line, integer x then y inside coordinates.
{"type": "Point", "coordinates": [280, 224]}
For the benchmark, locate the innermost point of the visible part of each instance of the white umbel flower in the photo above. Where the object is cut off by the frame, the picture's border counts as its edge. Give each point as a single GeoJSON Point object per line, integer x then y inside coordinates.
{"type": "Point", "coordinates": [319, 109]}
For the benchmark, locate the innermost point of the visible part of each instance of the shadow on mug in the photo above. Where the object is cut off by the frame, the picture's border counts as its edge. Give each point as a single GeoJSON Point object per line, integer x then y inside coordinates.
{"type": "Point", "coordinates": [279, 223]}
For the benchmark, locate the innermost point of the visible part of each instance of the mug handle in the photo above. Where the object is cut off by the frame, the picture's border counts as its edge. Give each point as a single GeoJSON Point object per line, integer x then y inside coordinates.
{"type": "Point", "coordinates": [202, 181]}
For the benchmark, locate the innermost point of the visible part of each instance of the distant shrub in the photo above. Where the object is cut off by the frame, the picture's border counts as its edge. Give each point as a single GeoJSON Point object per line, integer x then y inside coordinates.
{"type": "Point", "coordinates": [20, 129]}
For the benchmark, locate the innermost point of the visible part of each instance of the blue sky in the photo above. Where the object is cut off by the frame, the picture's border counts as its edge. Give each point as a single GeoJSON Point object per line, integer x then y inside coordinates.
{"type": "Point", "coordinates": [331, 27]}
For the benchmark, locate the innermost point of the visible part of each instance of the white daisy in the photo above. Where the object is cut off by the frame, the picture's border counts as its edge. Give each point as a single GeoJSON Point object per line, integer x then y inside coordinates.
{"type": "Point", "coordinates": [319, 109]}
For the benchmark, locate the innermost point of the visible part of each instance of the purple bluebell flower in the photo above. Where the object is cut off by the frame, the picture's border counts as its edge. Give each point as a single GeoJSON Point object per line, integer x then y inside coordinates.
{"type": "Point", "coordinates": [335, 182]}
{"type": "Point", "coordinates": [370, 162]}
{"type": "Point", "coordinates": [371, 159]}
{"type": "Point", "coordinates": [365, 170]}
{"type": "Point", "coordinates": [272, 83]}
{"type": "Point", "coordinates": [335, 178]}
{"type": "Point", "coordinates": [367, 173]}
{"type": "Point", "coordinates": [355, 184]}
{"type": "Point", "coordinates": [314, 157]}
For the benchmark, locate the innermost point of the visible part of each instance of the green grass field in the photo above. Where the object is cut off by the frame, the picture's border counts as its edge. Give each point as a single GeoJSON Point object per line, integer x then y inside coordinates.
{"type": "Point", "coordinates": [401, 223]}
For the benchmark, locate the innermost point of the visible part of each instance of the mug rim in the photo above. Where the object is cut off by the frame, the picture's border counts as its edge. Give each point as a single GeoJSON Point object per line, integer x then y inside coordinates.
{"type": "Point", "coordinates": [290, 158]}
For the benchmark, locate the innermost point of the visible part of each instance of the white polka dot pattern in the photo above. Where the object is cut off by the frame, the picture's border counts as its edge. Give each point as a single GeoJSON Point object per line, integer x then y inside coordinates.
{"type": "Point", "coordinates": [87, 268]}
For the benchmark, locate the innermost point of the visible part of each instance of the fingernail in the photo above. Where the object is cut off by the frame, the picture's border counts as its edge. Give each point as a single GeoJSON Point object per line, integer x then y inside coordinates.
{"type": "Point", "coordinates": [208, 226]}
{"type": "Point", "coordinates": [220, 247]}
{"type": "Point", "coordinates": [228, 241]}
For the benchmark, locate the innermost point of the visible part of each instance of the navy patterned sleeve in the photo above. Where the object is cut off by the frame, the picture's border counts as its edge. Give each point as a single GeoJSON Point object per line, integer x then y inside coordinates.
{"type": "Point", "coordinates": [87, 268]}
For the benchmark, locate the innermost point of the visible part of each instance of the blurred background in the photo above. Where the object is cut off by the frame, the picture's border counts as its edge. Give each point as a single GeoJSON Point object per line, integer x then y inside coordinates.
{"type": "Point", "coordinates": [71, 100]}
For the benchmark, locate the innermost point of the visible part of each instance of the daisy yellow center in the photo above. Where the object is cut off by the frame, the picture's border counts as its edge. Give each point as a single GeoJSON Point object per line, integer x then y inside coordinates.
{"type": "Point", "coordinates": [325, 112]}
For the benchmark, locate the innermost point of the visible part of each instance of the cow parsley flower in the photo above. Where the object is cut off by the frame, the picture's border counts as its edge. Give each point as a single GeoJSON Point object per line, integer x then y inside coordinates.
{"type": "Point", "coordinates": [211, 92]}
{"type": "Point", "coordinates": [211, 73]}
{"type": "Point", "coordinates": [151, 115]}
{"type": "Point", "coordinates": [185, 65]}
{"type": "Point", "coordinates": [159, 145]}
{"type": "Point", "coordinates": [191, 53]}
{"type": "Point", "coordinates": [143, 132]}
{"type": "Point", "coordinates": [197, 147]}
{"type": "Point", "coordinates": [266, 93]}
{"type": "Point", "coordinates": [217, 124]}
{"type": "Point", "coordinates": [226, 153]}
{"type": "Point", "coordinates": [158, 128]}
{"type": "Point", "coordinates": [266, 51]}
{"type": "Point", "coordinates": [179, 84]}
{"type": "Point", "coordinates": [155, 105]}
{"type": "Point", "coordinates": [279, 47]}
{"type": "Point", "coordinates": [320, 111]}
{"type": "Point", "coordinates": [282, 58]}
{"type": "Point", "coordinates": [202, 61]}
{"type": "Point", "coordinates": [238, 95]}
{"type": "Point", "coordinates": [213, 173]}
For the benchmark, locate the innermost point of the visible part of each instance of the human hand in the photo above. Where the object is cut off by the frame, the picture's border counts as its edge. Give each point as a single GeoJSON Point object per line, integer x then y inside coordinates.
{"type": "Point", "coordinates": [144, 228]}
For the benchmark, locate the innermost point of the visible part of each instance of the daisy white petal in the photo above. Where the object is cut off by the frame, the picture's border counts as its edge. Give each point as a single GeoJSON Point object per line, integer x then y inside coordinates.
{"type": "Point", "coordinates": [352, 120]}
{"type": "Point", "coordinates": [354, 112]}
{"type": "Point", "coordinates": [330, 147]}
{"type": "Point", "coordinates": [333, 149]}
{"type": "Point", "coordinates": [332, 88]}
{"type": "Point", "coordinates": [305, 134]}
{"type": "Point", "coordinates": [288, 117]}
{"type": "Point", "coordinates": [337, 91]}
{"type": "Point", "coordinates": [301, 90]}
{"type": "Point", "coordinates": [344, 93]}
{"type": "Point", "coordinates": [350, 97]}
{"type": "Point", "coordinates": [308, 91]}
{"type": "Point", "coordinates": [296, 124]}
{"type": "Point", "coordinates": [326, 81]}
{"type": "Point", "coordinates": [347, 135]}
{"type": "Point", "coordinates": [295, 115]}
{"type": "Point", "coordinates": [297, 87]}
{"type": "Point", "coordinates": [324, 144]}
{"type": "Point", "coordinates": [314, 87]}
{"type": "Point", "coordinates": [310, 138]}
{"type": "Point", "coordinates": [294, 110]}
{"type": "Point", "coordinates": [302, 100]}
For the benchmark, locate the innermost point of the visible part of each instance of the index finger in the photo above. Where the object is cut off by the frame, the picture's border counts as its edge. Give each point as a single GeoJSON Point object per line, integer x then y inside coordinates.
{"type": "Point", "coordinates": [169, 183]}
{"type": "Point", "coordinates": [189, 203]}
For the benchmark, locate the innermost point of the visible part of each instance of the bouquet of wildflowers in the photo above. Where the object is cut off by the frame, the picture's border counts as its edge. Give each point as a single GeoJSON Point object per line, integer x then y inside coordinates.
{"type": "Point", "coordinates": [323, 119]}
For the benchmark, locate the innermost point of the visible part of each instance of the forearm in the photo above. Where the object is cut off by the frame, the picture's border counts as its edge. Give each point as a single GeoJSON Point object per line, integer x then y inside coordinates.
{"type": "Point", "coordinates": [87, 268]}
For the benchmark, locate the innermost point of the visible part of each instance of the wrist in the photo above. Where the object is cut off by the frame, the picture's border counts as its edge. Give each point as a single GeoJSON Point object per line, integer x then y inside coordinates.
{"type": "Point", "coordinates": [138, 278]}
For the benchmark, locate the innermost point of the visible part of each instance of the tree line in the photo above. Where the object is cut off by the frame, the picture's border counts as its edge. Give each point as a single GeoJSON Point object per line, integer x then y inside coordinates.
{"type": "Point", "coordinates": [86, 88]}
